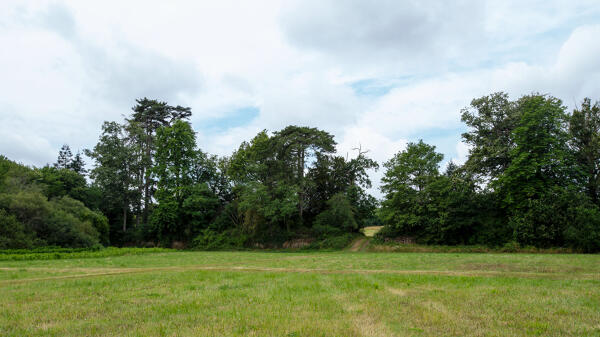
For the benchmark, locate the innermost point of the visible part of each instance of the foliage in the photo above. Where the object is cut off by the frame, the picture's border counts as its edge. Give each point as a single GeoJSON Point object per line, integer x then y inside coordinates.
{"type": "Point", "coordinates": [186, 204]}
{"type": "Point", "coordinates": [522, 184]}
{"type": "Point", "coordinates": [54, 253]}
{"type": "Point", "coordinates": [209, 239]}
{"type": "Point", "coordinates": [491, 120]}
{"type": "Point", "coordinates": [408, 174]}
{"type": "Point", "coordinates": [12, 232]}
{"type": "Point", "coordinates": [338, 218]}
{"type": "Point", "coordinates": [532, 178]}
{"type": "Point", "coordinates": [336, 241]}
{"type": "Point", "coordinates": [36, 209]}
{"type": "Point", "coordinates": [584, 129]}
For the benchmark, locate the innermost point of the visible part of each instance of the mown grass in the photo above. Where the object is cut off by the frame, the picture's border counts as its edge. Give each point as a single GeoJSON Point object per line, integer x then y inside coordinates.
{"type": "Point", "coordinates": [303, 294]}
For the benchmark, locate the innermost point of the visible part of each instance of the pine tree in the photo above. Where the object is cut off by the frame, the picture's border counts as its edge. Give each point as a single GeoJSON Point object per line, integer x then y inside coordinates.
{"type": "Point", "coordinates": [77, 164]}
{"type": "Point", "coordinates": [65, 157]}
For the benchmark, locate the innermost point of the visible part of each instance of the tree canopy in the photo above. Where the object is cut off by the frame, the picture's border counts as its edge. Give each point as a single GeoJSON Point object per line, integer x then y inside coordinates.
{"type": "Point", "coordinates": [532, 178]}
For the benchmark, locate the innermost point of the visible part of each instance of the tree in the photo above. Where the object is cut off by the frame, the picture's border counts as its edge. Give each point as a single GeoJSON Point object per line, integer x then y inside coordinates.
{"type": "Point", "coordinates": [541, 169]}
{"type": "Point", "coordinates": [65, 157]}
{"type": "Point", "coordinates": [295, 145]}
{"type": "Point", "coordinates": [452, 212]}
{"type": "Point", "coordinates": [12, 233]}
{"type": "Point", "coordinates": [148, 116]}
{"type": "Point", "coordinates": [186, 204]}
{"type": "Point", "coordinates": [29, 219]}
{"type": "Point", "coordinates": [407, 174]}
{"type": "Point", "coordinates": [253, 161]}
{"type": "Point", "coordinates": [540, 157]}
{"type": "Point", "coordinates": [61, 182]}
{"type": "Point", "coordinates": [113, 173]}
{"type": "Point", "coordinates": [77, 165]}
{"type": "Point", "coordinates": [413, 168]}
{"type": "Point", "coordinates": [339, 217]}
{"type": "Point", "coordinates": [584, 129]}
{"type": "Point", "coordinates": [491, 120]}
{"type": "Point", "coordinates": [267, 214]}
{"type": "Point", "coordinates": [332, 174]}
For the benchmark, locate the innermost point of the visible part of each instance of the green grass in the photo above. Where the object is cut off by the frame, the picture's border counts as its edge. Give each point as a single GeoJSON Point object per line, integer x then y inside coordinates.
{"type": "Point", "coordinates": [303, 294]}
{"type": "Point", "coordinates": [52, 253]}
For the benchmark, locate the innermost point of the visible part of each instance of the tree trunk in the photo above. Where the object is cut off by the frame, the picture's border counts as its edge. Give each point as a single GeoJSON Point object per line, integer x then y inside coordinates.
{"type": "Point", "coordinates": [301, 176]}
{"type": "Point", "coordinates": [146, 174]}
{"type": "Point", "coordinates": [124, 218]}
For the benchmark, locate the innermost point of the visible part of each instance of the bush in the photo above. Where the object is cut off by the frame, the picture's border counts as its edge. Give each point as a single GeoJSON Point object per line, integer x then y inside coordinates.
{"type": "Point", "coordinates": [333, 242]}
{"type": "Point", "coordinates": [511, 247]}
{"type": "Point", "coordinates": [338, 218]}
{"type": "Point", "coordinates": [210, 240]}
{"type": "Point", "coordinates": [61, 222]}
{"type": "Point", "coordinates": [12, 232]}
{"type": "Point", "coordinates": [583, 233]}
{"type": "Point", "coordinates": [97, 220]}
{"type": "Point", "coordinates": [53, 253]}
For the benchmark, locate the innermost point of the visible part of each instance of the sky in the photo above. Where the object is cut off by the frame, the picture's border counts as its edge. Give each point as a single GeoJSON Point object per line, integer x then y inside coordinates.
{"type": "Point", "coordinates": [375, 74]}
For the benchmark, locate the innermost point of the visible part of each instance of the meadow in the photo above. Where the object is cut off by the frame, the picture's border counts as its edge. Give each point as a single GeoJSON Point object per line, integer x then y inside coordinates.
{"type": "Point", "coordinates": [173, 293]}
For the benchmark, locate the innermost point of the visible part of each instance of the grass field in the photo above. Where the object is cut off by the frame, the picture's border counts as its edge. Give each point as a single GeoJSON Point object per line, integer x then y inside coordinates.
{"type": "Point", "coordinates": [302, 294]}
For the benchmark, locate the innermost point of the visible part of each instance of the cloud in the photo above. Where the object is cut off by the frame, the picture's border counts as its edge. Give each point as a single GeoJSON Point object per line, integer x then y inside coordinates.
{"type": "Point", "coordinates": [406, 34]}
{"type": "Point", "coordinates": [63, 84]}
{"type": "Point", "coordinates": [373, 74]}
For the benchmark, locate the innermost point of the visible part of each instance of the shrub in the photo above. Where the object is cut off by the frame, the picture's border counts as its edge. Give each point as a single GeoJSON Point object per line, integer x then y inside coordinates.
{"type": "Point", "coordinates": [12, 232]}
{"type": "Point", "coordinates": [338, 218]}
{"type": "Point", "coordinates": [211, 240]}
{"type": "Point", "coordinates": [333, 242]}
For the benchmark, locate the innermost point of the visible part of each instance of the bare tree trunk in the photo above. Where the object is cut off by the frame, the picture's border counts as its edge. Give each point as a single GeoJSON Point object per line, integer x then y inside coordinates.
{"type": "Point", "coordinates": [124, 218]}
{"type": "Point", "coordinates": [301, 176]}
{"type": "Point", "coordinates": [146, 174]}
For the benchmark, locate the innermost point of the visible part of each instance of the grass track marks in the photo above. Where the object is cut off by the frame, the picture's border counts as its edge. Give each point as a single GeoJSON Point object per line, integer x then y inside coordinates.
{"type": "Point", "coordinates": [97, 272]}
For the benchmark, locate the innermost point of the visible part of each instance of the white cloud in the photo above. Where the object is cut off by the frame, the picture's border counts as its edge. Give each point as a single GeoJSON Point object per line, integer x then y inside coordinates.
{"type": "Point", "coordinates": [69, 66]}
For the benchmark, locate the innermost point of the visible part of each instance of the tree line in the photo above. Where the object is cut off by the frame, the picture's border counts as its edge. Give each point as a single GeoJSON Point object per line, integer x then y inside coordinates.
{"type": "Point", "coordinates": [531, 179]}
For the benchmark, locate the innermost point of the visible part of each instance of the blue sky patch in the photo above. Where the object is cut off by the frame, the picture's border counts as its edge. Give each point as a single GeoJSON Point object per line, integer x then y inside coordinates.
{"type": "Point", "coordinates": [235, 118]}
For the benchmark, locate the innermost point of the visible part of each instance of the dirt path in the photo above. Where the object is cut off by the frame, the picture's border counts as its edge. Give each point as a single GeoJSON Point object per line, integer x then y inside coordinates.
{"type": "Point", "coordinates": [359, 245]}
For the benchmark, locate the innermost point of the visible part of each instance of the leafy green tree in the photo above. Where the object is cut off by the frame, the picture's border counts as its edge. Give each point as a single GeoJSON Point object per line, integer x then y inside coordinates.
{"type": "Point", "coordinates": [113, 174]}
{"type": "Point", "coordinates": [451, 211]}
{"type": "Point", "coordinates": [49, 222]}
{"type": "Point", "coordinates": [149, 116]}
{"type": "Point", "coordinates": [540, 158]}
{"type": "Point", "coordinates": [584, 129]}
{"type": "Point", "coordinates": [200, 207]}
{"type": "Point", "coordinates": [295, 145]}
{"type": "Point", "coordinates": [407, 175]}
{"type": "Point", "coordinates": [175, 157]}
{"type": "Point", "coordinates": [211, 170]}
{"type": "Point", "coordinates": [365, 206]}
{"type": "Point", "coordinates": [339, 217]}
{"type": "Point", "coordinates": [12, 233]}
{"type": "Point", "coordinates": [186, 203]}
{"type": "Point", "coordinates": [492, 120]}
{"type": "Point", "coordinates": [541, 168]}
{"type": "Point", "coordinates": [412, 168]}
{"type": "Point", "coordinates": [331, 175]}
{"type": "Point", "coordinates": [60, 182]}
{"type": "Point", "coordinates": [253, 161]}
{"type": "Point", "coordinates": [98, 221]}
